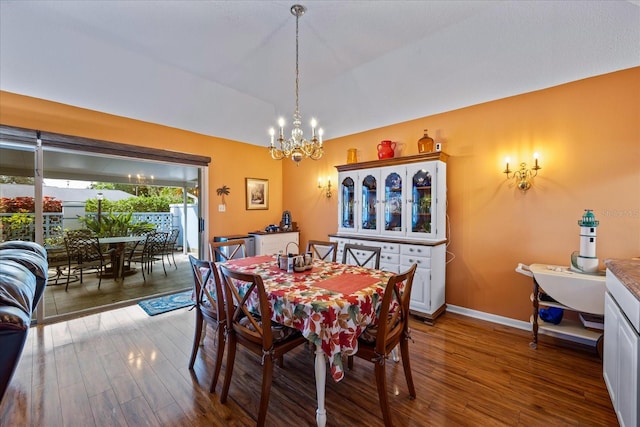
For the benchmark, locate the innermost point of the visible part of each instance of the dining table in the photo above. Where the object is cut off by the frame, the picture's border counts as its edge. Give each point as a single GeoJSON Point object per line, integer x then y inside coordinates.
{"type": "Point", "coordinates": [331, 304]}
{"type": "Point", "coordinates": [118, 244]}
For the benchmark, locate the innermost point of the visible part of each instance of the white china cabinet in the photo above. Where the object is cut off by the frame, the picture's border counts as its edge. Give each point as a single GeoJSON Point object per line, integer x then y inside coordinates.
{"type": "Point", "coordinates": [399, 204]}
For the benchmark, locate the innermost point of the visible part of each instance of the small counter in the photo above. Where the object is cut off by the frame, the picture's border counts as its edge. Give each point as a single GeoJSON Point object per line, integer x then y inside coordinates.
{"type": "Point", "coordinates": [621, 365]}
{"type": "Point", "coordinates": [628, 272]}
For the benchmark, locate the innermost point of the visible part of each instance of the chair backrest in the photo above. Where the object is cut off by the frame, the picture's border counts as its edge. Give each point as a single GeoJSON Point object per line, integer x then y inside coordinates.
{"type": "Point", "coordinates": [155, 242]}
{"type": "Point", "coordinates": [224, 251]}
{"type": "Point", "coordinates": [82, 247]}
{"type": "Point", "coordinates": [393, 319]}
{"type": "Point", "coordinates": [364, 256]}
{"type": "Point", "coordinates": [172, 239]}
{"type": "Point", "coordinates": [207, 287]}
{"type": "Point", "coordinates": [251, 323]}
{"type": "Point", "coordinates": [327, 251]}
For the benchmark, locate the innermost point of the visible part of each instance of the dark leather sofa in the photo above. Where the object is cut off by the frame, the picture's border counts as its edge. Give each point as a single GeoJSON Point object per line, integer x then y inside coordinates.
{"type": "Point", "coordinates": [23, 277]}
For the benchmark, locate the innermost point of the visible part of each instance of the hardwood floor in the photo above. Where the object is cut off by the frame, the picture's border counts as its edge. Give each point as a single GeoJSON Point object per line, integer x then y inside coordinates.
{"type": "Point", "coordinates": [124, 368]}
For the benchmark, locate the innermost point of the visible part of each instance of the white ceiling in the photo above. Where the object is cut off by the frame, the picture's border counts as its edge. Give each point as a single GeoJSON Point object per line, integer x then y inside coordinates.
{"type": "Point", "coordinates": [226, 68]}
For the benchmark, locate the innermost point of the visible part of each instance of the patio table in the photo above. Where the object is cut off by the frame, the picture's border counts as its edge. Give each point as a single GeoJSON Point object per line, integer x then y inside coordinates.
{"type": "Point", "coordinates": [331, 305]}
{"type": "Point", "coordinates": [117, 255]}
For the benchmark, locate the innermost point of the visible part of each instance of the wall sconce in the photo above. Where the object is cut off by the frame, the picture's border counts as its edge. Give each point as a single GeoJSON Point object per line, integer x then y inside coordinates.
{"type": "Point", "coordinates": [325, 188]}
{"type": "Point", "coordinates": [523, 176]}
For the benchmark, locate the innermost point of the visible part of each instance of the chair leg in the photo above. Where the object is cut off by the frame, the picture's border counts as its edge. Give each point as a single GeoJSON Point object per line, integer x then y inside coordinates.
{"type": "Point", "coordinates": [68, 277]}
{"type": "Point", "coordinates": [381, 382]}
{"type": "Point", "coordinates": [162, 259]}
{"type": "Point", "coordinates": [267, 376]}
{"type": "Point", "coordinates": [220, 345]}
{"type": "Point", "coordinates": [350, 362]}
{"type": "Point", "coordinates": [231, 357]}
{"type": "Point", "coordinates": [406, 364]}
{"type": "Point", "coordinates": [196, 338]}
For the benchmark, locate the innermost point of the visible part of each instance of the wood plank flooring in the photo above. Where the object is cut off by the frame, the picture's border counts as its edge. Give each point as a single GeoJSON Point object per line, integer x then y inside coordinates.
{"type": "Point", "coordinates": [124, 368]}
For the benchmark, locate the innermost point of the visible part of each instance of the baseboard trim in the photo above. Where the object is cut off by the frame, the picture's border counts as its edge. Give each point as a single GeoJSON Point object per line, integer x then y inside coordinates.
{"type": "Point", "coordinates": [493, 318]}
{"type": "Point", "coordinates": [518, 324]}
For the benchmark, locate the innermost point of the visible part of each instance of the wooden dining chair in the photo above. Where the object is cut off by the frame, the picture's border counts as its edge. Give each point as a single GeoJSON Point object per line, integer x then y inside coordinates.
{"type": "Point", "coordinates": [209, 307]}
{"type": "Point", "coordinates": [326, 251]}
{"type": "Point", "coordinates": [224, 251]}
{"type": "Point", "coordinates": [364, 256]}
{"type": "Point", "coordinates": [253, 328]}
{"type": "Point", "coordinates": [391, 329]}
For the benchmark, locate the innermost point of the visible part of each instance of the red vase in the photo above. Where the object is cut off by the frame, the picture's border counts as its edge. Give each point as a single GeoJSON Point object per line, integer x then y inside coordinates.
{"type": "Point", "coordinates": [386, 149]}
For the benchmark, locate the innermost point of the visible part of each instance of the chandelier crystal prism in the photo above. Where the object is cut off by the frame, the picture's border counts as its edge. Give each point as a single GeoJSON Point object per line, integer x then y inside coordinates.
{"type": "Point", "coordinates": [296, 147]}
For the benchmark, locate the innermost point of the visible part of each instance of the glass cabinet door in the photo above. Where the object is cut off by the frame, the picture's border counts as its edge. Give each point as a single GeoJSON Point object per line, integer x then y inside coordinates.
{"type": "Point", "coordinates": [369, 205]}
{"type": "Point", "coordinates": [422, 219]}
{"type": "Point", "coordinates": [393, 201]}
{"type": "Point", "coordinates": [347, 202]}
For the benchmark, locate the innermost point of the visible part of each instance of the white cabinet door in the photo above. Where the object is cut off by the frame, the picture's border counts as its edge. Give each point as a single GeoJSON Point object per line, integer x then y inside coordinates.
{"type": "Point", "coordinates": [368, 205]}
{"type": "Point", "coordinates": [426, 212]}
{"type": "Point", "coordinates": [610, 353]}
{"type": "Point", "coordinates": [627, 407]}
{"type": "Point", "coordinates": [270, 244]}
{"type": "Point", "coordinates": [620, 365]}
{"type": "Point", "coordinates": [347, 201]}
{"type": "Point", "coordinates": [393, 197]}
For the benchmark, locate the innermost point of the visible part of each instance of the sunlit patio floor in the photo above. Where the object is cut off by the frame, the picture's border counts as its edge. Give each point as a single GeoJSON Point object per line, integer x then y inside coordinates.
{"type": "Point", "coordinates": [86, 296]}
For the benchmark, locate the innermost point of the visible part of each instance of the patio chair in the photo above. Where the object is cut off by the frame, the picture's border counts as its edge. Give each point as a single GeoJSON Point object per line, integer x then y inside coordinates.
{"type": "Point", "coordinates": [252, 328]}
{"type": "Point", "coordinates": [84, 252]}
{"type": "Point", "coordinates": [326, 251]}
{"type": "Point", "coordinates": [392, 328]}
{"type": "Point", "coordinates": [170, 246]}
{"type": "Point", "coordinates": [364, 256]}
{"type": "Point", "coordinates": [151, 251]}
{"type": "Point", "coordinates": [209, 307]}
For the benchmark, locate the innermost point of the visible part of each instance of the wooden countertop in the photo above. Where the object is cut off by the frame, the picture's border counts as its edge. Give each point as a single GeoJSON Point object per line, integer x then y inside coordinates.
{"type": "Point", "coordinates": [628, 272]}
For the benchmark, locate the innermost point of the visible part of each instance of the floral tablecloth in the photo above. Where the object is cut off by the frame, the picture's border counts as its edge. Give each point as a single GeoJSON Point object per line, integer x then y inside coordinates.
{"type": "Point", "coordinates": [330, 304]}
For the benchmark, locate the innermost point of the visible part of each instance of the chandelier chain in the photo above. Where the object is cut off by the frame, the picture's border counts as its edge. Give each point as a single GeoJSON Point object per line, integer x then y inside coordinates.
{"type": "Point", "coordinates": [296, 147]}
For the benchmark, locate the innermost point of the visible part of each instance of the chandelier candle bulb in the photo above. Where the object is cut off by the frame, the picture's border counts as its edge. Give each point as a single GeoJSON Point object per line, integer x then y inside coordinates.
{"type": "Point", "coordinates": [507, 160]}
{"type": "Point", "coordinates": [535, 157]}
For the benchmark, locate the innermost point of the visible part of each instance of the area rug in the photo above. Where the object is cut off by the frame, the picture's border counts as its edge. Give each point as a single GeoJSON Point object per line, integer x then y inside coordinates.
{"type": "Point", "coordinates": [159, 305]}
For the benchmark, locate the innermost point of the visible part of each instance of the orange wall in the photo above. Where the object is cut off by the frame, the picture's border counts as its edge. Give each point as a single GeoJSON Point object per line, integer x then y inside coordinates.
{"type": "Point", "coordinates": [231, 162]}
{"type": "Point", "coordinates": [587, 133]}
{"type": "Point", "coordinates": [588, 136]}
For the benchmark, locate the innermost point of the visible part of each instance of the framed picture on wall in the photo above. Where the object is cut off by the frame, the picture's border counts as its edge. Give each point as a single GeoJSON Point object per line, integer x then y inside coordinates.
{"type": "Point", "coordinates": [257, 193]}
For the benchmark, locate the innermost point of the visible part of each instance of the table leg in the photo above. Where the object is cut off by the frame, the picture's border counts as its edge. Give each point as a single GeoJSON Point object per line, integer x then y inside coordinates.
{"type": "Point", "coordinates": [321, 378]}
{"type": "Point", "coordinates": [536, 306]}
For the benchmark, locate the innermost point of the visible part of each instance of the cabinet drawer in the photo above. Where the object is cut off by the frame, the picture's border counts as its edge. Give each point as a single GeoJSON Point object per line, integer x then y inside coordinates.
{"type": "Point", "coordinates": [389, 258]}
{"type": "Point", "coordinates": [407, 262]}
{"type": "Point", "coordinates": [416, 250]}
{"type": "Point", "coordinates": [386, 247]}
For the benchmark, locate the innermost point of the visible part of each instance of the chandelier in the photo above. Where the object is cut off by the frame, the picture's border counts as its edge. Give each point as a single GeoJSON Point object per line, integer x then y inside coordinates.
{"type": "Point", "coordinates": [296, 147]}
